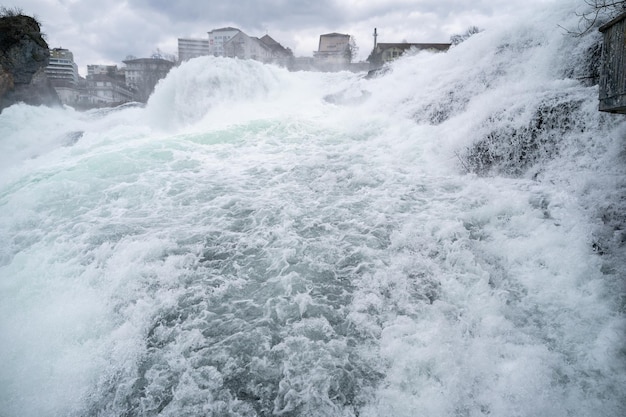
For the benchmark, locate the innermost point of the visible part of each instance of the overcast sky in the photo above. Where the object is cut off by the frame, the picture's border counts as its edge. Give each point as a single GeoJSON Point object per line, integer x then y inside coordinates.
{"type": "Point", "coordinates": [106, 32]}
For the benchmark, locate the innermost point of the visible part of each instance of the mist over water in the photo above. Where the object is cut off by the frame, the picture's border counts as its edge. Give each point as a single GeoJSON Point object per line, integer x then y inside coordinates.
{"type": "Point", "coordinates": [443, 240]}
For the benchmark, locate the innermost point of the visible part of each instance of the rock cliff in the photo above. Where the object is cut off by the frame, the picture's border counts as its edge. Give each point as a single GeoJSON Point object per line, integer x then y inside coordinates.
{"type": "Point", "coordinates": [24, 56]}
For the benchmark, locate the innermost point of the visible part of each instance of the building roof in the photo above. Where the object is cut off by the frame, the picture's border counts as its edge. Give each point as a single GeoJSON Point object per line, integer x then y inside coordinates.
{"type": "Point", "coordinates": [148, 61]}
{"type": "Point", "coordinates": [273, 45]}
{"type": "Point", "coordinates": [333, 44]}
{"type": "Point", "coordinates": [195, 40]}
{"type": "Point", "coordinates": [334, 34]}
{"type": "Point", "coordinates": [238, 36]}
{"type": "Point", "coordinates": [421, 46]}
{"type": "Point", "coordinates": [226, 29]}
{"type": "Point", "coordinates": [61, 53]}
{"type": "Point", "coordinates": [268, 40]}
{"type": "Point", "coordinates": [610, 23]}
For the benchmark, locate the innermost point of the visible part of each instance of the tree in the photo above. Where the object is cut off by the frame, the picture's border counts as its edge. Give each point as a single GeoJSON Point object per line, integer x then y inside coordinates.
{"type": "Point", "coordinates": [159, 54]}
{"type": "Point", "coordinates": [352, 49]}
{"type": "Point", "coordinates": [597, 13]}
{"type": "Point", "coordinates": [11, 12]}
{"type": "Point", "coordinates": [458, 38]}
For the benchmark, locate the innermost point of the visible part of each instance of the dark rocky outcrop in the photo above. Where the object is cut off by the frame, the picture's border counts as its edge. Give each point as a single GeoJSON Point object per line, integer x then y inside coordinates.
{"type": "Point", "coordinates": [24, 56]}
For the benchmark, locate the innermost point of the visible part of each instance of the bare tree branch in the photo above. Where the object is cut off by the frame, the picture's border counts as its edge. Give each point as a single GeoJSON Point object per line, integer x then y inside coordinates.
{"type": "Point", "coordinates": [599, 11]}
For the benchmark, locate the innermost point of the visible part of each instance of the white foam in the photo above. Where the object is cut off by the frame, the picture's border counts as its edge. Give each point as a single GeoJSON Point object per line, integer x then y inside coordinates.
{"type": "Point", "coordinates": [259, 241]}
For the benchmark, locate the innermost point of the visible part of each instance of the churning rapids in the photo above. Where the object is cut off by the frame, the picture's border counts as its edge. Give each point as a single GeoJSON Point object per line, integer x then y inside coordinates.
{"type": "Point", "coordinates": [443, 240]}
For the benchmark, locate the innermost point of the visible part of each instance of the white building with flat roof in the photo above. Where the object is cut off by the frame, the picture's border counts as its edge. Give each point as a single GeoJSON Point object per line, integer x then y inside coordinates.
{"type": "Point", "coordinates": [61, 69]}
{"type": "Point", "coordinates": [333, 51]}
{"type": "Point", "coordinates": [63, 74]}
{"type": "Point", "coordinates": [192, 48]}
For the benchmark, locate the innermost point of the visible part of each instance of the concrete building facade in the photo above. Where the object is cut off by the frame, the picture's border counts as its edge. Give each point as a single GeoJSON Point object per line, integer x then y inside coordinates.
{"type": "Point", "coordinates": [217, 39]}
{"type": "Point", "coordinates": [243, 46]}
{"type": "Point", "coordinates": [61, 68]}
{"type": "Point", "coordinates": [279, 54]}
{"type": "Point", "coordinates": [62, 72]}
{"type": "Point", "coordinates": [104, 90]}
{"type": "Point", "coordinates": [192, 48]}
{"type": "Point", "coordinates": [110, 70]}
{"type": "Point", "coordinates": [333, 51]}
{"type": "Point", "coordinates": [142, 75]}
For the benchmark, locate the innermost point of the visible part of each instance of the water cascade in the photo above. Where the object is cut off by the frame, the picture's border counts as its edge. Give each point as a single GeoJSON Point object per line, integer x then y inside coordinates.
{"type": "Point", "coordinates": [446, 239]}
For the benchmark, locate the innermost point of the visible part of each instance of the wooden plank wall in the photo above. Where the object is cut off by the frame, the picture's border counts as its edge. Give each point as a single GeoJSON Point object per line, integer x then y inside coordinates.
{"type": "Point", "coordinates": [613, 68]}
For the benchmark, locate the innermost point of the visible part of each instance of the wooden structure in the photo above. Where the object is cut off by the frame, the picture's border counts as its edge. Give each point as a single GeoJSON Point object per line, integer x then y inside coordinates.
{"type": "Point", "coordinates": [613, 70]}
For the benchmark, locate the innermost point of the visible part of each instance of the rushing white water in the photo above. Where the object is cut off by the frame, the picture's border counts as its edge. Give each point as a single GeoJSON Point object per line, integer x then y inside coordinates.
{"type": "Point", "coordinates": [443, 240]}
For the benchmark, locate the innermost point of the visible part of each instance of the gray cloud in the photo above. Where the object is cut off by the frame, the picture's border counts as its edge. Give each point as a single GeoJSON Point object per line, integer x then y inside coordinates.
{"type": "Point", "coordinates": [251, 14]}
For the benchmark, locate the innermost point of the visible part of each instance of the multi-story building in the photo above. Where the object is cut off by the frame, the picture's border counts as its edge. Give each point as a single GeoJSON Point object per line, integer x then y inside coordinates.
{"type": "Point", "coordinates": [217, 39]}
{"type": "Point", "coordinates": [192, 48]}
{"type": "Point", "coordinates": [333, 51]}
{"type": "Point", "coordinates": [279, 54]}
{"type": "Point", "coordinates": [265, 49]}
{"type": "Point", "coordinates": [105, 90]}
{"type": "Point", "coordinates": [243, 46]}
{"type": "Point", "coordinates": [104, 86]}
{"type": "Point", "coordinates": [110, 70]}
{"type": "Point", "coordinates": [63, 74]}
{"type": "Point", "coordinates": [142, 75]}
{"type": "Point", "coordinates": [386, 52]}
{"type": "Point", "coordinates": [61, 67]}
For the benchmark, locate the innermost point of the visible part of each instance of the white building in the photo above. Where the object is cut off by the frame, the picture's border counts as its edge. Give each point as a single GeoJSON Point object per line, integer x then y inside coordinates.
{"type": "Point", "coordinates": [265, 49]}
{"type": "Point", "coordinates": [110, 70]}
{"type": "Point", "coordinates": [333, 51]}
{"type": "Point", "coordinates": [105, 85]}
{"type": "Point", "coordinates": [243, 46]}
{"type": "Point", "coordinates": [279, 54]}
{"type": "Point", "coordinates": [61, 67]}
{"type": "Point", "coordinates": [192, 48]}
{"type": "Point", "coordinates": [63, 74]}
{"type": "Point", "coordinates": [104, 90]}
{"type": "Point", "coordinates": [217, 39]}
